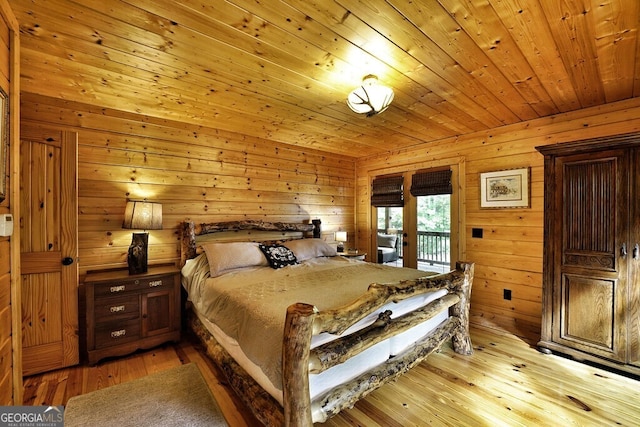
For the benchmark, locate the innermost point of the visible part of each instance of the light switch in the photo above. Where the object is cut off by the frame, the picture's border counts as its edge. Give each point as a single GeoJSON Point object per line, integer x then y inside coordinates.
{"type": "Point", "coordinates": [6, 225]}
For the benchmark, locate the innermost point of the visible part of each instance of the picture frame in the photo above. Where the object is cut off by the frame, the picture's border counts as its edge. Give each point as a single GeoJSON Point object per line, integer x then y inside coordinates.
{"type": "Point", "coordinates": [505, 189]}
{"type": "Point", "coordinates": [4, 142]}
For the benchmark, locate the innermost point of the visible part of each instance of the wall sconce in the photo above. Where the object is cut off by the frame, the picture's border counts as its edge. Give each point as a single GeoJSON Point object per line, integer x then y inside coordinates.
{"type": "Point", "coordinates": [142, 216]}
{"type": "Point", "coordinates": [341, 237]}
{"type": "Point", "coordinates": [371, 98]}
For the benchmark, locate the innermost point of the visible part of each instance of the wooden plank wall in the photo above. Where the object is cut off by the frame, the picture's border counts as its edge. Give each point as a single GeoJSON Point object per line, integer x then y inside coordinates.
{"type": "Point", "coordinates": [509, 256]}
{"type": "Point", "coordinates": [196, 172]}
{"type": "Point", "coordinates": [6, 363]}
{"type": "Point", "coordinates": [208, 174]}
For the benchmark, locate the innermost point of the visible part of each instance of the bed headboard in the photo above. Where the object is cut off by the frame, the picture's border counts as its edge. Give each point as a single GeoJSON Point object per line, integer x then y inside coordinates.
{"type": "Point", "coordinates": [237, 231]}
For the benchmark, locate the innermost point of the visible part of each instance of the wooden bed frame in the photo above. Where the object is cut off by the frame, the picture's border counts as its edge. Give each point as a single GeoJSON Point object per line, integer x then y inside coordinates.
{"type": "Point", "coordinates": [304, 320]}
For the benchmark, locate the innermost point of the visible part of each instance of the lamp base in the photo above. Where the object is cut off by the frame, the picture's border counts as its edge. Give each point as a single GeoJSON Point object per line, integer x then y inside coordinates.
{"type": "Point", "coordinates": [137, 256]}
{"type": "Point", "coordinates": [316, 228]}
{"type": "Point", "coordinates": [340, 247]}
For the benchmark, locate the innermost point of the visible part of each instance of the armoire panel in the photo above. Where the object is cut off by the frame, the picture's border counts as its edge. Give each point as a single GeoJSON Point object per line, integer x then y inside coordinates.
{"type": "Point", "coordinates": [589, 312]}
{"type": "Point", "coordinates": [589, 193]}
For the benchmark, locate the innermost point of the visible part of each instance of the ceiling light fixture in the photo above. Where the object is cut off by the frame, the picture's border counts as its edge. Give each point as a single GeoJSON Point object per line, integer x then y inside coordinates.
{"type": "Point", "coordinates": [371, 98]}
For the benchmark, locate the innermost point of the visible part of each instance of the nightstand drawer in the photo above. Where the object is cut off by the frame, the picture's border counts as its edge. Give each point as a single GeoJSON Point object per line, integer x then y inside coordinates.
{"type": "Point", "coordinates": [131, 285]}
{"type": "Point", "coordinates": [117, 333]}
{"type": "Point", "coordinates": [119, 308]}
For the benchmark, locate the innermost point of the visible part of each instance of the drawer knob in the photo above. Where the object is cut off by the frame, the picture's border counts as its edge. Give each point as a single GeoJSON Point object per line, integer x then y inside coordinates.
{"type": "Point", "coordinates": [154, 283]}
{"type": "Point", "coordinates": [119, 333]}
{"type": "Point", "coordinates": [116, 308]}
{"type": "Point", "coordinates": [119, 288]}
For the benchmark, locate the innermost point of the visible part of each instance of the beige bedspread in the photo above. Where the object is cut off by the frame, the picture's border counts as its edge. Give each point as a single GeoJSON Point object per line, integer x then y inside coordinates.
{"type": "Point", "coordinates": [250, 304]}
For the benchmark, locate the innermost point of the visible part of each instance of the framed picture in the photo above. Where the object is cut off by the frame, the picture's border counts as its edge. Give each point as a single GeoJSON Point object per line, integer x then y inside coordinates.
{"type": "Point", "coordinates": [4, 142]}
{"type": "Point", "coordinates": [505, 189]}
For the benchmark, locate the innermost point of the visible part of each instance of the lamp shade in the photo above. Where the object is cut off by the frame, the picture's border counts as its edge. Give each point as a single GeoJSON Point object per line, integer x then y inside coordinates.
{"type": "Point", "coordinates": [143, 216]}
{"type": "Point", "coordinates": [371, 98]}
{"type": "Point", "coordinates": [341, 236]}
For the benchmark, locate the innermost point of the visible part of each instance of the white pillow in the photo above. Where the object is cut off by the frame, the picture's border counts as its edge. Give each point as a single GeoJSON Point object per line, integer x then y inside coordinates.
{"type": "Point", "coordinates": [228, 256]}
{"type": "Point", "coordinates": [305, 249]}
{"type": "Point", "coordinates": [387, 240]}
{"type": "Point", "coordinates": [194, 272]}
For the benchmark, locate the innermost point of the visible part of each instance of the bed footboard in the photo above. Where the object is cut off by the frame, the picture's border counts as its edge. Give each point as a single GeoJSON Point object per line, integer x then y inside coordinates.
{"type": "Point", "coordinates": [303, 321]}
{"type": "Point", "coordinates": [263, 406]}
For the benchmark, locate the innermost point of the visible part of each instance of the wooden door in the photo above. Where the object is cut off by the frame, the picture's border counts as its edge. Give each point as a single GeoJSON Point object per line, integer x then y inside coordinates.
{"type": "Point", "coordinates": [48, 249]}
{"type": "Point", "coordinates": [590, 279]}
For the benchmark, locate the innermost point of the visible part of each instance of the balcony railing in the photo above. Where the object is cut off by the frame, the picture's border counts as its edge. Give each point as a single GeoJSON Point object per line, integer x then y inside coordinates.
{"type": "Point", "coordinates": [434, 247]}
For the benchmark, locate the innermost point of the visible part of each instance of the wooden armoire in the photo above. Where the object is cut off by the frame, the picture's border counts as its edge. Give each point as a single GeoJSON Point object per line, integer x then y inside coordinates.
{"type": "Point", "coordinates": [591, 281]}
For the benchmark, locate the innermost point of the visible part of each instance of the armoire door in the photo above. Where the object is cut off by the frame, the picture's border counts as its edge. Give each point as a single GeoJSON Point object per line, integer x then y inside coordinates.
{"type": "Point", "coordinates": [48, 249]}
{"type": "Point", "coordinates": [633, 344]}
{"type": "Point", "coordinates": [591, 274]}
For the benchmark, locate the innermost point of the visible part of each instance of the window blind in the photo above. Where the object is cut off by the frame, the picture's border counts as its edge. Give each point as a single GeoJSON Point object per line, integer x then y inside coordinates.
{"type": "Point", "coordinates": [431, 183]}
{"type": "Point", "coordinates": [387, 192]}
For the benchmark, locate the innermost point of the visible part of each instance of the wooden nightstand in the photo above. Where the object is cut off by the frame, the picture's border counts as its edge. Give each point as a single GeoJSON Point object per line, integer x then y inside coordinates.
{"type": "Point", "coordinates": [353, 255]}
{"type": "Point", "coordinates": [120, 313]}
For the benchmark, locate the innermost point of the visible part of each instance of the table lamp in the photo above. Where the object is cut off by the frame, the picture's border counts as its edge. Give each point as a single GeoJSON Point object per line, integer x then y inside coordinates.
{"type": "Point", "coordinates": [341, 237]}
{"type": "Point", "coordinates": [142, 216]}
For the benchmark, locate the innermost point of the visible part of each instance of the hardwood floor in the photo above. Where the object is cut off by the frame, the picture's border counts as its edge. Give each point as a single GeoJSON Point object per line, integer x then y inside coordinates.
{"type": "Point", "coordinates": [506, 382]}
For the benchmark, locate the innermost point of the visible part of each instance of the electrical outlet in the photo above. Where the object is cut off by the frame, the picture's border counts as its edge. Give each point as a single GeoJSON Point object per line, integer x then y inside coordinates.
{"type": "Point", "coordinates": [506, 294]}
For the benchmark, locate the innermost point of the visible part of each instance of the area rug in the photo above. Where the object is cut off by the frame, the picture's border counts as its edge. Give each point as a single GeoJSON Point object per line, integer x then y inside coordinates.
{"type": "Point", "coordinates": [175, 397]}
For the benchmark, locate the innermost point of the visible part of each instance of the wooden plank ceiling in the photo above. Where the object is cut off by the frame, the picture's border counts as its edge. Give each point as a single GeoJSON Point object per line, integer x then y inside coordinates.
{"type": "Point", "coordinates": [281, 69]}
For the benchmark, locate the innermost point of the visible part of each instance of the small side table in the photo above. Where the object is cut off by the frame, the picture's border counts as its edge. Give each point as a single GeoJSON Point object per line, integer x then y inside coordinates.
{"type": "Point", "coordinates": [120, 313]}
{"type": "Point", "coordinates": [353, 255]}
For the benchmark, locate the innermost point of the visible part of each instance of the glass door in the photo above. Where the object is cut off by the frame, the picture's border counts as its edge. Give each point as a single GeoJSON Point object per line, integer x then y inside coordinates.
{"type": "Point", "coordinates": [389, 235]}
{"type": "Point", "coordinates": [433, 232]}
{"type": "Point", "coordinates": [416, 219]}
{"type": "Point", "coordinates": [431, 220]}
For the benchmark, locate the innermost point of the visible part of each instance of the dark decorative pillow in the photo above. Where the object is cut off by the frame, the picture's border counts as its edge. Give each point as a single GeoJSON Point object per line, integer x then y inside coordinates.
{"type": "Point", "coordinates": [278, 255]}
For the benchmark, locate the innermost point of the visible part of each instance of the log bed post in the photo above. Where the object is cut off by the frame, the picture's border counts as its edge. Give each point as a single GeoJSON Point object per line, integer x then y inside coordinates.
{"type": "Point", "coordinates": [461, 340]}
{"type": "Point", "coordinates": [187, 242]}
{"type": "Point", "coordinates": [298, 329]}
